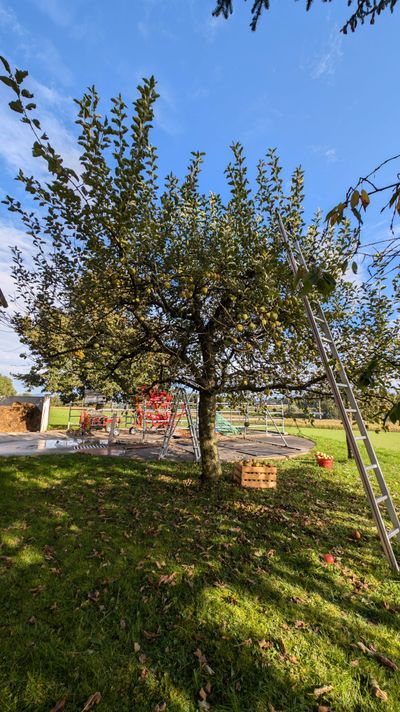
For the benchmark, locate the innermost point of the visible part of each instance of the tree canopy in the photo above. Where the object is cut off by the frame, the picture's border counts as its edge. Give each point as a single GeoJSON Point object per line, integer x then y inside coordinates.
{"type": "Point", "coordinates": [134, 281]}
{"type": "Point", "coordinates": [6, 386]}
{"type": "Point", "coordinates": [364, 11]}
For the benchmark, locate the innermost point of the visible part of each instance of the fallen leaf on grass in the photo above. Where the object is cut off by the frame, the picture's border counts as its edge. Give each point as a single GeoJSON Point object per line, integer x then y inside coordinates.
{"type": "Point", "coordinates": [94, 595]}
{"type": "Point", "coordinates": [380, 694]}
{"type": "Point", "coordinates": [93, 700]}
{"type": "Point", "coordinates": [144, 673]}
{"type": "Point", "coordinates": [203, 705]}
{"type": "Point", "coordinates": [35, 591]}
{"type": "Point", "coordinates": [122, 624]}
{"type": "Point", "coordinates": [32, 620]}
{"type": "Point", "coordinates": [324, 708]}
{"type": "Point", "coordinates": [202, 694]}
{"type": "Point", "coordinates": [142, 658]}
{"type": "Point", "coordinates": [200, 656]}
{"type": "Point", "coordinates": [300, 624]}
{"type": "Point", "coordinates": [378, 656]}
{"type": "Point", "coordinates": [391, 609]}
{"type": "Point", "coordinates": [386, 661]}
{"type": "Point", "coordinates": [264, 644]}
{"type": "Point", "coordinates": [136, 647]}
{"type": "Point", "coordinates": [149, 635]}
{"type": "Point", "coordinates": [59, 706]}
{"type": "Point", "coordinates": [319, 691]}
{"type": "Point", "coordinates": [48, 552]}
{"type": "Point", "coordinates": [167, 578]}
{"type": "Point", "coordinates": [161, 707]}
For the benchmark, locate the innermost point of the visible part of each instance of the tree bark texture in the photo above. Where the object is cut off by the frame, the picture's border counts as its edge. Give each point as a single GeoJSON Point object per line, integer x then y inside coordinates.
{"type": "Point", "coordinates": [210, 464]}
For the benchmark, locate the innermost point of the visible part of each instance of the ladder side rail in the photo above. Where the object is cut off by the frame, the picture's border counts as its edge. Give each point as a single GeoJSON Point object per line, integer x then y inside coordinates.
{"type": "Point", "coordinates": [282, 437]}
{"type": "Point", "coordinates": [193, 433]}
{"type": "Point", "coordinates": [170, 429]}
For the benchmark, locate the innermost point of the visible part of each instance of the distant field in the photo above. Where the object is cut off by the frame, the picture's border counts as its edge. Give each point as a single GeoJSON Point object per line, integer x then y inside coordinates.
{"type": "Point", "coordinates": [389, 441]}
{"type": "Point", "coordinates": [58, 417]}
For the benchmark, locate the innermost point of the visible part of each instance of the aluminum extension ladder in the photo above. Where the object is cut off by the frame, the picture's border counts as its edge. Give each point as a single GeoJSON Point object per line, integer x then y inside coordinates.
{"type": "Point", "coordinates": [180, 396]}
{"type": "Point", "coordinates": [323, 337]}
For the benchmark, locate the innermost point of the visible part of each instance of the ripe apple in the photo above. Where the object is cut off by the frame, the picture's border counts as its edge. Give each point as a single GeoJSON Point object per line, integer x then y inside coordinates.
{"type": "Point", "coordinates": [329, 559]}
{"type": "Point", "coordinates": [240, 327]}
{"type": "Point", "coordinates": [356, 535]}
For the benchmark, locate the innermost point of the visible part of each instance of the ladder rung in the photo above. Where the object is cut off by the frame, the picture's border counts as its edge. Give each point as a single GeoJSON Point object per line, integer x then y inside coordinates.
{"type": "Point", "coordinates": [329, 340]}
{"type": "Point", "coordinates": [393, 532]}
{"type": "Point", "coordinates": [318, 318]}
{"type": "Point", "coordinates": [361, 437]}
{"type": "Point", "coordinates": [371, 467]}
{"type": "Point", "coordinates": [381, 499]}
{"type": "Point", "coordinates": [351, 410]}
{"type": "Point", "coordinates": [343, 385]}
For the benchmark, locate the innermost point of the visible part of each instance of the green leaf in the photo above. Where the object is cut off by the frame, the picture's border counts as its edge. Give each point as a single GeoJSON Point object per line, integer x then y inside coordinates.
{"type": "Point", "coordinates": [354, 267]}
{"type": "Point", "coordinates": [9, 82]}
{"type": "Point", "coordinates": [27, 94]}
{"type": "Point", "coordinates": [36, 123]}
{"type": "Point", "coordinates": [16, 106]}
{"type": "Point", "coordinates": [368, 376]}
{"type": "Point", "coordinates": [357, 214]}
{"type": "Point", "coordinates": [326, 284]}
{"type": "Point", "coordinates": [354, 198]}
{"type": "Point", "coordinates": [365, 200]}
{"type": "Point", "coordinates": [37, 149]}
{"type": "Point", "coordinates": [5, 64]}
{"type": "Point", "coordinates": [20, 75]}
{"type": "Point", "coordinates": [29, 107]}
{"type": "Point", "coordinates": [393, 414]}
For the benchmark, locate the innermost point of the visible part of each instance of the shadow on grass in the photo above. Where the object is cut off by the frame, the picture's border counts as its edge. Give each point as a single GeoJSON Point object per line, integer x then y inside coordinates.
{"type": "Point", "coordinates": [225, 592]}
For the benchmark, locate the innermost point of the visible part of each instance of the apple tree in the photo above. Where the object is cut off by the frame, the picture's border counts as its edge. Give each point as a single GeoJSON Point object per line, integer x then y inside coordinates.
{"type": "Point", "coordinates": [135, 280]}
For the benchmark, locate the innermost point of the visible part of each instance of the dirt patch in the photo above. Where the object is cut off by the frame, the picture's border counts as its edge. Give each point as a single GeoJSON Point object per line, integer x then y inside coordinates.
{"type": "Point", "coordinates": [19, 418]}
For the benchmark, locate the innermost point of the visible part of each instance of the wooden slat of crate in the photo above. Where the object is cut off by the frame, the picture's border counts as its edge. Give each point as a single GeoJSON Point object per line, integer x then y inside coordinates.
{"type": "Point", "coordinates": [261, 476]}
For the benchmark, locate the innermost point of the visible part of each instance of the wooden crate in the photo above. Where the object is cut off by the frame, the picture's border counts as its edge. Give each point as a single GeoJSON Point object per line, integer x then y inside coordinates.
{"type": "Point", "coordinates": [255, 475]}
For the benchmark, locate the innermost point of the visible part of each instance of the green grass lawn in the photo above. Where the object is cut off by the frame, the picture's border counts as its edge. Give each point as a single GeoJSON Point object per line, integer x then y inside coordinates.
{"type": "Point", "coordinates": [127, 579]}
{"type": "Point", "coordinates": [58, 417]}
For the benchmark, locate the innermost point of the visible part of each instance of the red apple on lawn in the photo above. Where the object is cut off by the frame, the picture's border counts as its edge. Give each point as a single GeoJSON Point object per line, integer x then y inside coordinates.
{"type": "Point", "coordinates": [329, 559]}
{"type": "Point", "coordinates": [356, 535]}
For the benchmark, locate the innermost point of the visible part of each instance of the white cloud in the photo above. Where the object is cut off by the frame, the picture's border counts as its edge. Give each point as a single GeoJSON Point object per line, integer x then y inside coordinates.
{"type": "Point", "coordinates": [327, 152]}
{"type": "Point", "coordinates": [326, 64]}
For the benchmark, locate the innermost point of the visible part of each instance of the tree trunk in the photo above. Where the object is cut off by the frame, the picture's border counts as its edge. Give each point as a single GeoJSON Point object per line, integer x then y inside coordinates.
{"type": "Point", "coordinates": [210, 464]}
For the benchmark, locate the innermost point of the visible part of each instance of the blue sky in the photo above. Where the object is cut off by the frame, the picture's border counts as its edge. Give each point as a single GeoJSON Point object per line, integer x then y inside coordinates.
{"type": "Point", "coordinates": [328, 102]}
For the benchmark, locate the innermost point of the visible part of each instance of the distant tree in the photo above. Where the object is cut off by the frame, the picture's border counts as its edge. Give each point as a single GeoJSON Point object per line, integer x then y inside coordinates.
{"type": "Point", "coordinates": [365, 10]}
{"type": "Point", "coordinates": [6, 386]}
{"type": "Point", "coordinates": [171, 283]}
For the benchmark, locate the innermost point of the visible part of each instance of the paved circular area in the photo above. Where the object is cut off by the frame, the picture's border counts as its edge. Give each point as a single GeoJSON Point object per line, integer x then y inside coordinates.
{"type": "Point", "coordinates": [258, 445]}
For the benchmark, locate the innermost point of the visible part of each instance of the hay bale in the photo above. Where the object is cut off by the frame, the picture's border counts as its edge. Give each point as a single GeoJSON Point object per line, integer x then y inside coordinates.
{"type": "Point", "coordinates": [19, 418]}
